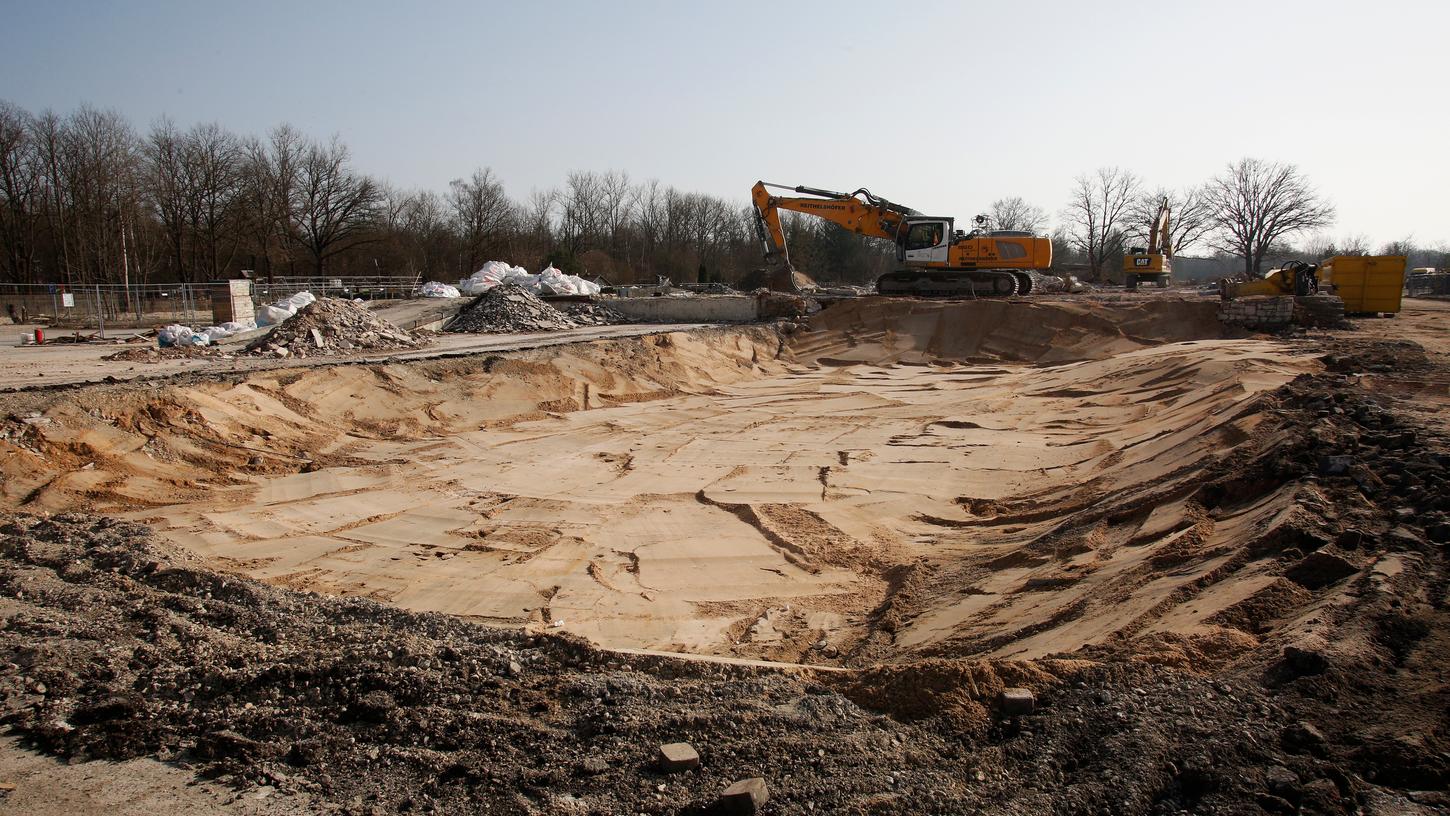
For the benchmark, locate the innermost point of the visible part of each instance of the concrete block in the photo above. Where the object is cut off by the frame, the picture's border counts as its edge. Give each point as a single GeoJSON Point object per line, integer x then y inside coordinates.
{"type": "Point", "coordinates": [675, 757]}
{"type": "Point", "coordinates": [694, 309]}
{"type": "Point", "coordinates": [1014, 702]}
{"type": "Point", "coordinates": [744, 797]}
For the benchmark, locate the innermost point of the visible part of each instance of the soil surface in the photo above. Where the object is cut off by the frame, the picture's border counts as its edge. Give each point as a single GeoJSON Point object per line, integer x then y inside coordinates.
{"type": "Point", "coordinates": [1227, 594]}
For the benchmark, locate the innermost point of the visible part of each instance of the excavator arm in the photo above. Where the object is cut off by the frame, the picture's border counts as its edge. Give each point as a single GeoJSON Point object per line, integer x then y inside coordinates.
{"type": "Point", "coordinates": [861, 212]}
{"type": "Point", "coordinates": [1158, 240]}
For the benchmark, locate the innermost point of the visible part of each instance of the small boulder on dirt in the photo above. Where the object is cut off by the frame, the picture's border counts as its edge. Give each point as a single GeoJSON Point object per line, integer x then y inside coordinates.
{"type": "Point", "coordinates": [1320, 569]}
{"type": "Point", "coordinates": [678, 756]}
{"type": "Point", "coordinates": [744, 797]}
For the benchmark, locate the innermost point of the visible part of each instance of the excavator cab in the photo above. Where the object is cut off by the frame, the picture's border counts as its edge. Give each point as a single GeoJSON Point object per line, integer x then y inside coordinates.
{"type": "Point", "coordinates": [925, 240]}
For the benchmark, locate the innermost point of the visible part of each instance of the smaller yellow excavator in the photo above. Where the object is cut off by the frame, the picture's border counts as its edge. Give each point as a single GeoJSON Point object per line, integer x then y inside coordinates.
{"type": "Point", "coordinates": [934, 258]}
{"type": "Point", "coordinates": [1292, 278]}
{"type": "Point", "coordinates": [1153, 263]}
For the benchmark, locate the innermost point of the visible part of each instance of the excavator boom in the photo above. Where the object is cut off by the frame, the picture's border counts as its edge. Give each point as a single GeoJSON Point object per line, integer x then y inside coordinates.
{"type": "Point", "coordinates": [860, 212]}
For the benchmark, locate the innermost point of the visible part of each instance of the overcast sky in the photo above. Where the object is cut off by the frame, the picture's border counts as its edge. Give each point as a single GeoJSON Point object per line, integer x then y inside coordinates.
{"type": "Point", "coordinates": [940, 106]}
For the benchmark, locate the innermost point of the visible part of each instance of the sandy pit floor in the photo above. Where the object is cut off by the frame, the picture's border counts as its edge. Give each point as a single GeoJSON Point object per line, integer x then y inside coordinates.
{"type": "Point", "coordinates": [765, 516]}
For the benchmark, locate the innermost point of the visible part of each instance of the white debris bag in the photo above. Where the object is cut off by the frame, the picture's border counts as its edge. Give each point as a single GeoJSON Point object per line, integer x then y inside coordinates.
{"type": "Point", "coordinates": [174, 335]}
{"type": "Point", "coordinates": [488, 276]}
{"type": "Point", "coordinates": [272, 315]}
{"type": "Point", "coordinates": [283, 309]}
{"type": "Point", "coordinates": [434, 289]}
{"type": "Point", "coordinates": [297, 301]}
{"type": "Point", "coordinates": [214, 334]}
{"type": "Point", "coordinates": [554, 282]}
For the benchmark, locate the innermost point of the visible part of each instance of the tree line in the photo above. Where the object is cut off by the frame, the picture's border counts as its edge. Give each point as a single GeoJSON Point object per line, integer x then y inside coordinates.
{"type": "Point", "coordinates": [86, 198]}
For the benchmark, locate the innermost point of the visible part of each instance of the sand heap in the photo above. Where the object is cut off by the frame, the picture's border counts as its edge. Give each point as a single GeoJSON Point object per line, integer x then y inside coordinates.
{"type": "Point", "coordinates": [331, 326]}
{"type": "Point", "coordinates": [593, 314]}
{"type": "Point", "coordinates": [510, 308]}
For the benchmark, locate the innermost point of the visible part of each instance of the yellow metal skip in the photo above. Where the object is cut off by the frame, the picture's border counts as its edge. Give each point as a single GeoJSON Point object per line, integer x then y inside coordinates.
{"type": "Point", "coordinates": [1368, 284]}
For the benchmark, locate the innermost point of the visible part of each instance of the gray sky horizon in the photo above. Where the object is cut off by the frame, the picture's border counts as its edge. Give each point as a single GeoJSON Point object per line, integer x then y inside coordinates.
{"type": "Point", "coordinates": [941, 106]}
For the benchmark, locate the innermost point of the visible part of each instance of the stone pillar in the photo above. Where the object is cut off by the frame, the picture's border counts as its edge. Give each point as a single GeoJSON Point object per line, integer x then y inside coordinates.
{"type": "Point", "coordinates": [231, 300]}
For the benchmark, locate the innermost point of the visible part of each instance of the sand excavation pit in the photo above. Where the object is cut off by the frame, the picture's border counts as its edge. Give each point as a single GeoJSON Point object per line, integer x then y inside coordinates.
{"type": "Point", "coordinates": [974, 478]}
{"type": "Point", "coordinates": [1214, 564]}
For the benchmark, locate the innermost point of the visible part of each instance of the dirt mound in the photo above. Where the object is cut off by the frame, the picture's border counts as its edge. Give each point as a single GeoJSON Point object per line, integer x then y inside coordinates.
{"type": "Point", "coordinates": [885, 330]}
{"type": "Point", "coordinates": [152, 354]}
{"type": "Point", "coordinates": [331, 326]}
{"type": "Point", "coordinates": [116, 646]}
{"type": "Point", "coordinates": [509, 308]}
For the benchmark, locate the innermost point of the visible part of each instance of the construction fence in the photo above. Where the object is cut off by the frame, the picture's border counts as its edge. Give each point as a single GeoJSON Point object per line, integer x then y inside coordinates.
{"type": "Point", "coordinates": [1433, 284]}
{"type": "Point", "coordinates": [146, 305]}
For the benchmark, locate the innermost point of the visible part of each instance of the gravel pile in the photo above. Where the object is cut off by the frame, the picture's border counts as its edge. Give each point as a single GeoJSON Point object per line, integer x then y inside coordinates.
{"type": "Point", "coordinates": [594, 314]}
{"type": "Point", "coordinates": [509, 308]}
{"type": "Point", "coordinates": [331, 326]}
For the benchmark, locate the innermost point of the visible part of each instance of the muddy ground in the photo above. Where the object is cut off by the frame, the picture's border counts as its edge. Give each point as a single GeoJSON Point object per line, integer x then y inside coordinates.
{"type": "Point", "coordinates": [1323, 691]}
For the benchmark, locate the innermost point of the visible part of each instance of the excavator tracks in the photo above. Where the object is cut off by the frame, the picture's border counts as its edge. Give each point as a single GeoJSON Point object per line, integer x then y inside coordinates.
{"type": "Point", "coordinates": [956, 283]}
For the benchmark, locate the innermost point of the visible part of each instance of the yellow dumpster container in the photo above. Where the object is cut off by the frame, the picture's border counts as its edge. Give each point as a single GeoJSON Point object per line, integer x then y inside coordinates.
{"type": "Point", "coordinates": [1369, 284]}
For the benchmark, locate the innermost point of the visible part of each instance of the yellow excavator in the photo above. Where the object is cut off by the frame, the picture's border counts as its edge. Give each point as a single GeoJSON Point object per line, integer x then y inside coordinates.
{"type": "Point", "coordinates": [1291, 278]}
{"type": "Point", "coordinates": [1153, 263]}
{"type": "Point", "coordinates": [935, 259]}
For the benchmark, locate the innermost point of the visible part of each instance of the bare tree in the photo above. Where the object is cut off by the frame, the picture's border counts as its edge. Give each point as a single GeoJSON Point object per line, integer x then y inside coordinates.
{"type": "Point", "coordinates": [1191, 220]}
{"type": "Point", "coordinates": [1357, 244]}
{"type": "Point", "coordinates": [1257, 203]}
{"type": "Point", "coordinates": [1403, 246]}
{"type": "Point", "coordinates": [169, 188]}
{"type": "Point", "coordinates": [1097, 215]}
{"type": "Point", "coordinates": [21, 189]}
{"type": "Point", "coordinates": [334, 204]}
{"type": "Point", "coordinates": [269, 194]}
{"type": "Point", "coordinates": [584, 216]}
{"type": "Point", "coordinates": [215, 157]}
{"type": "Point", "coordinates": [1014, 213]}
{"type": "Point", "coordinates": [481, 214]}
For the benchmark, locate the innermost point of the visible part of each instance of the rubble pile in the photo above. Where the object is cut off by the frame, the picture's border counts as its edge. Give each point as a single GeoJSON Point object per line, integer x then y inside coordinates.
{"type": "Point", "coordinates": [509, 307]}
{"type": "Point", "coordinates": [152, 354]}
{"type": "Point", "coordinates": [331, 326]}
{"type": "Point", "coordinates": [593, 314]}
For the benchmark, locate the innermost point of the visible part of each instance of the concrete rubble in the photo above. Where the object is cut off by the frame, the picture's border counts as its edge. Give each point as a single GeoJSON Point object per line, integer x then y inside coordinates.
{"type": "Point", "coordinates": [331, 326]}
{"type": "Point", "coordinates": [593, 314]}
{"type": "Point", "coordinates": [509, 307]}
